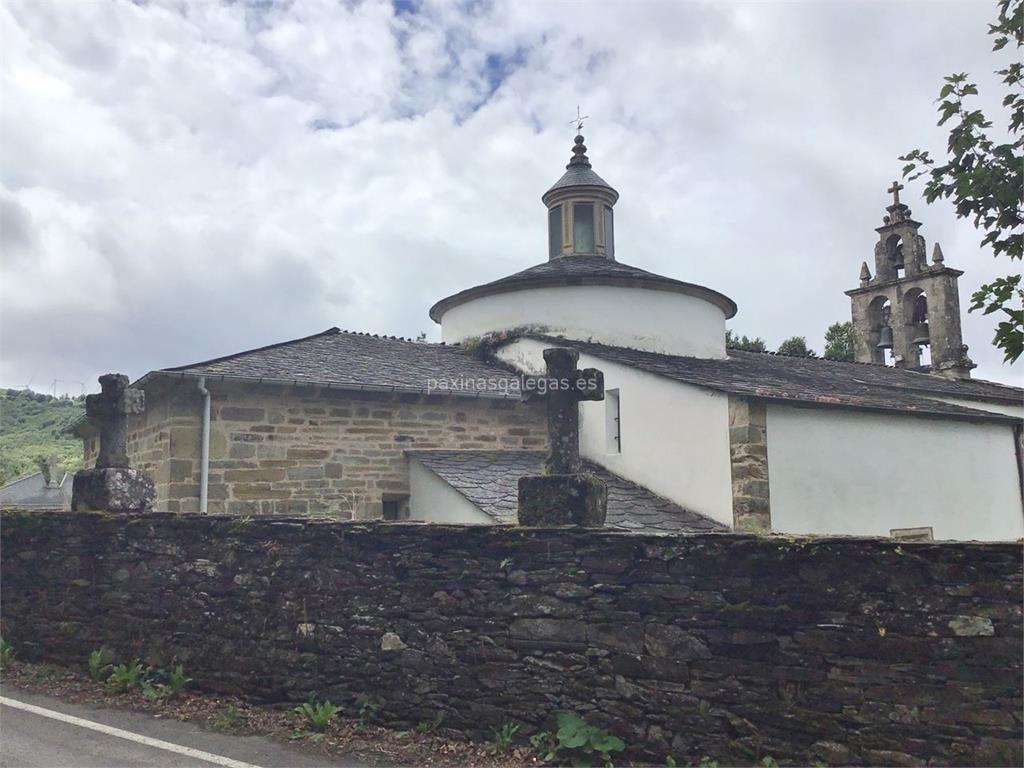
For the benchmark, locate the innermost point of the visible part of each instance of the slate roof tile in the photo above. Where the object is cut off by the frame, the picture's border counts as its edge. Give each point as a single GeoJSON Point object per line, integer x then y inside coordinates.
{"type": "Point", "coordinates": [815, 381]}
{"type": "Point", "coordinates": [490, 479]}
{"type": "Point", "coordinates": [359, 360]}
{"type": "Point", "coordinates": [582, 270]}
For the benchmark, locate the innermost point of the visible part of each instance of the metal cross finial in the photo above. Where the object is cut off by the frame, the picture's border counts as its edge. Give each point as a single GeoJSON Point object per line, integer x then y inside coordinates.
{"type": "Point", "coordinates": [895, 190]}
{"type": "Point", "coordinates": [578, 122]}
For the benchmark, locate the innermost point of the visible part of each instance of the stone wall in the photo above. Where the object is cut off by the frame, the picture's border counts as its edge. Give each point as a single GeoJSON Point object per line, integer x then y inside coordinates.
{"type": "Point", "coordinates": [736, 647]}
{"type": "Point", "coordinates": [306, 450]}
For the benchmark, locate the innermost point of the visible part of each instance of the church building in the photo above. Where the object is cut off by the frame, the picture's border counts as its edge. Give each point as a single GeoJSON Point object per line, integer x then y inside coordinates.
{"type": "Point", "coordinates": [690, 437]}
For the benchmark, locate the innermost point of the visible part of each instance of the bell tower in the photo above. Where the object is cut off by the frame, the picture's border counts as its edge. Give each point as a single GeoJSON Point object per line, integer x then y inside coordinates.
{"type": "Point", "coordinates": [909, 305]}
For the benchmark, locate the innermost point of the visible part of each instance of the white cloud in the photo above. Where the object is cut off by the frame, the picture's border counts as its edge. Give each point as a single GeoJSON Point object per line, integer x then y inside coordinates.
{"type": "Point", "coordinates": [180, 180]}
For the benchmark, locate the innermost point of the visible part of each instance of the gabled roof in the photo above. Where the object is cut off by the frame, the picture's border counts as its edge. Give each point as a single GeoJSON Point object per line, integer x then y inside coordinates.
{"type": "Point", "coordinates": [490, 480]}
{"type": "Point", "coordinates": [583, 270]}
{"type": "Point", "coordinates": [32, 491]}
{"type": "Point", "coordinates": [348, 360]}
{"type": "Point", "coordinates": [815, 381]}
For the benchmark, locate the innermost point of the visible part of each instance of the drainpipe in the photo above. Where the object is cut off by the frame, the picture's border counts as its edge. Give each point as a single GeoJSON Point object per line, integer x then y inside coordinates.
{"type": "Point", "coordinates": [204, 465]}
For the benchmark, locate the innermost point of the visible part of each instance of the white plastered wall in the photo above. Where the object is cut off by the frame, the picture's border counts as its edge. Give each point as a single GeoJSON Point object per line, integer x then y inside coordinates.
{"type": "Point", "coordinates": [432, 500]}
{"type": "Point", "coordinates": [655, 321]}
{"type": "Point", "coordinates": [862, 473]}
{"type": "Point", "coordinates": [675, 437]}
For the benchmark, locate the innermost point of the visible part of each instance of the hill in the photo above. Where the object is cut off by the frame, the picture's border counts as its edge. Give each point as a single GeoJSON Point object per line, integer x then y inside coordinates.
{"type": "Point", "coordinates": [31, 428]}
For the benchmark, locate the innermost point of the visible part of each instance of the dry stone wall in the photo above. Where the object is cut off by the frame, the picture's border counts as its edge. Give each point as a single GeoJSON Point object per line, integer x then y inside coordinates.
{"type": "Point", "coordinates": [844, 651]}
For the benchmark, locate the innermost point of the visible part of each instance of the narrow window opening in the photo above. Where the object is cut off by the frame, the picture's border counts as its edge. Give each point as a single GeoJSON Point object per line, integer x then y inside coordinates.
{"type": "Point", "coordinates": [613, 421]}
{"type": "Point", "coordinates": [609, 231]}
{"type": "Point", "coordinates": [394, 508]}
{"type": "Point", "coordinates": [583, 227]}
{"type": "Point", "coordinates": [555, 231]}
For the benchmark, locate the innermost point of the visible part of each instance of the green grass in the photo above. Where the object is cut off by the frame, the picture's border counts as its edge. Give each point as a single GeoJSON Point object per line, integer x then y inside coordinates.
{"type": "Point", "coordinates": [31, 428]}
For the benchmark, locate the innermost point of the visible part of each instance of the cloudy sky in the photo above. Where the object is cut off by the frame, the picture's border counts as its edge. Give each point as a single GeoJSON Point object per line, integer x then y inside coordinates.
{"type": "Point", "coordinates": [186, 179]}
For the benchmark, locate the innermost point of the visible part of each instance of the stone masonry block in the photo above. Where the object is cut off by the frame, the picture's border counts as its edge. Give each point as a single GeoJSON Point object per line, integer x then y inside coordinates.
{"type": "Point", "coordinates": [553, 500]}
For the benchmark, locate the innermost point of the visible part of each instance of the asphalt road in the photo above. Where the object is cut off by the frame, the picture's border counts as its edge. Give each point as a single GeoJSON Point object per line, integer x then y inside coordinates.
{"type": "Point", "coordinates": [35, 739]}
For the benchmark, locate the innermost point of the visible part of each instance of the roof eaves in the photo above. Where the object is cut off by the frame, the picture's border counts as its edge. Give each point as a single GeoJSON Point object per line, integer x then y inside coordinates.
{"type": "Point", "coordinates": [343, 386]}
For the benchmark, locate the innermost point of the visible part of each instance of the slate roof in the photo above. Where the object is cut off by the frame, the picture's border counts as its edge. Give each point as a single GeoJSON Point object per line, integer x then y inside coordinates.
{"type": "Point", "coordinates": [816, 381]}
{"type": "Point", "coordinates": [32, 491]}
{"type": "Point", "coordinates": [490, 480]}
{"type": "Point", "coordinates": [583, 270]}
{"type": "Point", "coordinates": [580, 176]}
{"type": "Point", "coordinates": [350, 360]}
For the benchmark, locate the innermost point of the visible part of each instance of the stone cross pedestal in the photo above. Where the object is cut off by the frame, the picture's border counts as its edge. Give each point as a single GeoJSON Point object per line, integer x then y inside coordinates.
{"type": "Point", "coordinates": [563, 495]}
{"type": "Point", "coordinates": [112, 485]}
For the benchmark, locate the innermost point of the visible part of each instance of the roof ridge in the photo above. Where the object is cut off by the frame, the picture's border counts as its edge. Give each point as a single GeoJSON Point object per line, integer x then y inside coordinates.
{"type": "Point", "coordinates": [333, 330]}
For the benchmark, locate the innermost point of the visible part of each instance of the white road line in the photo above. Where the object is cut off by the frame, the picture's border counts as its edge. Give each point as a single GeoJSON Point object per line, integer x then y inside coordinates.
{"type": "Point", "coordinates": [197, 754]}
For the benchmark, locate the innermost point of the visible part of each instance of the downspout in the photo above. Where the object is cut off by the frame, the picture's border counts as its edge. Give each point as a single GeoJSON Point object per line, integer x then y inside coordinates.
{"type": "Point", "coordinates": [204, 461]}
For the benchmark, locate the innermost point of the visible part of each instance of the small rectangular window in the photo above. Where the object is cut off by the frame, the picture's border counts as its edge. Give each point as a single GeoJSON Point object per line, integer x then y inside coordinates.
{"type": "Point", "coordinates": [613, 421]}
{"type": "Point", "coordinates": [912, 534]}
{"type": "Point", "coordinates": [395, 508]}
{"type": "Point", "coordinates": [609, 231]}
{"type": "Point", "coordinates": [583, 227]}
{"type": "Point", "coordinates": [555, 231]}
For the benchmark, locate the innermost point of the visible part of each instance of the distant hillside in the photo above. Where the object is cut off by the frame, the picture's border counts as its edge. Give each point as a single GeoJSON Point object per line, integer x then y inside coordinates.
{"type": "Point", "coordinates": [31, 427]}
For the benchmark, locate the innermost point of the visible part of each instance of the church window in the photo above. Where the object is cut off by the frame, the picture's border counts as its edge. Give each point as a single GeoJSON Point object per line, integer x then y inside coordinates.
{"type": "Point", "coordinates": [613, 421]}
{"type": "Point", "coordinates": [583, 227]}
{"type": "Point", "coordinates": [555, 231]}
{"type": "Point", "coordinates": [395, 508]}
{"type": "Point", "coordinates": [609, 232]}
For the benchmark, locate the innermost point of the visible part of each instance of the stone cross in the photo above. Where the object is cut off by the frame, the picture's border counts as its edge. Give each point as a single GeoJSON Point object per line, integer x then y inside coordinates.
{"type": "Point", "coordinates": [563, 494]}
{"type": "Point", "coordinates": [563, 387]}
{"type": "Point", "coordinates": [895, 190]}
{"type": "Point", "coordinates": [50, 472]}
{"type": "Point", "coordinates": [110, 411]}
{"type": "Point", "coordinates": [113, 486]}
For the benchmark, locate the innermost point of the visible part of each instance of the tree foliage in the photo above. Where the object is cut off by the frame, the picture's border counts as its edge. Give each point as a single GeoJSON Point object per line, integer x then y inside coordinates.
{"type": "Point", "coordinates": [796, 346]}
{"type": "Point", "coordinates": [839, 342]}
{"type": "Point", "coordinates": [32, 428]}
{"type": "Point", "coordinates": [983, 177]}
{"type": "Point", "coordinates": [756, 344]}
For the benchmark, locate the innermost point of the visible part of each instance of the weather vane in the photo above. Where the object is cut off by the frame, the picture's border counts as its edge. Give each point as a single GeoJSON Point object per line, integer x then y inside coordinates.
{"type": "Point", "coordinates": [578, 122]}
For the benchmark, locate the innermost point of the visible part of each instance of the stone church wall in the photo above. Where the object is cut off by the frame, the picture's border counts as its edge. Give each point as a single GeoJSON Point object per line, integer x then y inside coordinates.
{"type": "Point", "coordinates": [735, 647]}
{"type": "Point", "coordinates": [306, 450]}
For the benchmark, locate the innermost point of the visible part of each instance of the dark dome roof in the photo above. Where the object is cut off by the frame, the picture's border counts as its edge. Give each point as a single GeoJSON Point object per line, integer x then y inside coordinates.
{"type": "Point", "coordinates": [582, 270]}
{"type": "Point", "coordinates": [578, 172]}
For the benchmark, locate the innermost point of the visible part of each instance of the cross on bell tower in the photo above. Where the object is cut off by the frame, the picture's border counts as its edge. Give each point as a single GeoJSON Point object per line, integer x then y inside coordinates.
{"type": "Point", "coordinates": [908, 305]}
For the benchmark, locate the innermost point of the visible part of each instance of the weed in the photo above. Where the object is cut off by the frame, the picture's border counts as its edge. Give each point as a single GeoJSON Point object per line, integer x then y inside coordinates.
{"type": "Point", "coordinates": [707, 762]}
{"type": "Point", "coordinates": [124, 677]}
{"type": "Point", "coordinates": [670, 762]}
{"type": "Point", "coordinates": [429, 726]}
{"type": "Point", "coordinates": [504, 736]}
{"type": "Point", "coordinates": [100, 662]}
{"type": "Point", "coordinates": [769, 762]}
{"type": "Point", "coordinates": [6, 653]}
{"type": "Point", "coordinates": [176, 680]}
{"type": "Point", "coordinates": [230, 719]}
{"type": "Point", "coordinates": [505, 563]}
{"type": "Point", "coordinates": [317, 714]}
{"type": "Point", "coordinates": [367, 707]}
{"type": "Point", "coordinates": [577, 741]}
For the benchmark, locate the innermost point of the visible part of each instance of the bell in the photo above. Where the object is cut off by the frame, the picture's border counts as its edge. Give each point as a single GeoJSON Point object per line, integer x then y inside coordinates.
{"type": "Point", "coordinates": [884, 338]}
{"type": "Point", "coordinates": [920, 334]}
